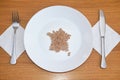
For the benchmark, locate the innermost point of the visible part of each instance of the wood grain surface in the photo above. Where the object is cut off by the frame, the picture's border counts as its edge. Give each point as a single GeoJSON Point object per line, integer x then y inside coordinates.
{"type": "Point", "coordinates": [25, 69]}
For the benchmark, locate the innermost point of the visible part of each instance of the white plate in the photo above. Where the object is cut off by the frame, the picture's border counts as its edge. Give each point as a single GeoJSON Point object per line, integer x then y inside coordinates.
{"type": "Point", "coordinates": [37, 42]}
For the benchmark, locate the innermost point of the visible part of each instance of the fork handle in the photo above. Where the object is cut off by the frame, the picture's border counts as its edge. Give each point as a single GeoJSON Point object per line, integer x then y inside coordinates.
{"type": "Point", "coordinates": [13, 56]}
{"type": "Point", "coordinates": [103, 61]}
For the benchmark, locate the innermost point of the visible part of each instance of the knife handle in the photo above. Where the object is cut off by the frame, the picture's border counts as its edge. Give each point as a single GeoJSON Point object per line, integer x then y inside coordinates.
{"type": "Point", "coordinates": [103, 62]}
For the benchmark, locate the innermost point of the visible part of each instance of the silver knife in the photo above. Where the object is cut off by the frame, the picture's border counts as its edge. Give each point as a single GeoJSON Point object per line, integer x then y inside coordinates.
{"type": "Point", "coordinates": [102, 34]}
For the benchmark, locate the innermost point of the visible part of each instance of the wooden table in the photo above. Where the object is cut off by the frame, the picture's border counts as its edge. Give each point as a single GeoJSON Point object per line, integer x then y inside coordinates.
{"type": "Point", "coordinates": [25, 69]}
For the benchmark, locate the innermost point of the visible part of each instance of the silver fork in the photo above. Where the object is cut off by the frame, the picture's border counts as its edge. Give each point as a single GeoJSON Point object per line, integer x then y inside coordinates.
{"type": "Point", "coordinates": [15, 20]}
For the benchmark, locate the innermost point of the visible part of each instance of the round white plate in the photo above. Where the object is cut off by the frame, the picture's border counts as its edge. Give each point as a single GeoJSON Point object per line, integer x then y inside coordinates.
{"type": "Point", "coordinates": [37, 42]}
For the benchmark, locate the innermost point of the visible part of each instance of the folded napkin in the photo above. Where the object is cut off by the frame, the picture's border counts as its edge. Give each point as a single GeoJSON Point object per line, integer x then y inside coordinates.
{"type": "Point", "coordinates": [6, 40]}
{"type": "Point", "coordinates": [112, 38]}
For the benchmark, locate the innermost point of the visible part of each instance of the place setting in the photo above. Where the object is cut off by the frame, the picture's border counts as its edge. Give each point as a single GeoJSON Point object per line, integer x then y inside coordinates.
{"type": "Point", "coordinates": [59, 38]}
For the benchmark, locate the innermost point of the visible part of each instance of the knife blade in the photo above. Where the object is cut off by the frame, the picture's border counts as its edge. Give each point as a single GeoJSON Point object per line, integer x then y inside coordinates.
{"type": "Point", "coordinates": [102, 35]}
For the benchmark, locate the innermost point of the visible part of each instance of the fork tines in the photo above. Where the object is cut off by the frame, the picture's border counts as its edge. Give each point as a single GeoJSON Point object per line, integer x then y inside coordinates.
{"type": "Point", "coordinates": [15, 17]}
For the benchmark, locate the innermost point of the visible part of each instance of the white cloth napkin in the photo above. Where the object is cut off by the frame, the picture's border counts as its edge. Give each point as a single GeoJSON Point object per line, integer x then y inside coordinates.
{"type": "Point", "coordinates": [112, 38]}
{"type": "Point", "coordinates": [6, 40]}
